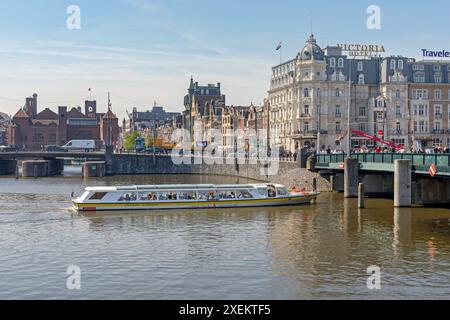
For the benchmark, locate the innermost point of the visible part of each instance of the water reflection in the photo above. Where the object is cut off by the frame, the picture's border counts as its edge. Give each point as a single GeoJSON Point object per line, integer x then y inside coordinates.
{"type": "Point", "coordinates": [317, 251]}
{"type": "Point", "coordinates": [402, 243]}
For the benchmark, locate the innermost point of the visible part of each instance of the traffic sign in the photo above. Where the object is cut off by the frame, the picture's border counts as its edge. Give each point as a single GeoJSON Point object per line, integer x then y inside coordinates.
{"type": "Point", "coordinates": [380, 133]}
{"type": "Point", "coordinates": [432, 170]}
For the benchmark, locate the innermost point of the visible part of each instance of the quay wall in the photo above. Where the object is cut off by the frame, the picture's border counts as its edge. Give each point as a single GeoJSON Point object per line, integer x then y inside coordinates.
{"type": "Point", "coordinates": [285, 172]}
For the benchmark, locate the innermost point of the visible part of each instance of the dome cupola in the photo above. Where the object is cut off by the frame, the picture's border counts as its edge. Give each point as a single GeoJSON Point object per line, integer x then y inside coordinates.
{"type": "Point", "coordinates": [311, 51]}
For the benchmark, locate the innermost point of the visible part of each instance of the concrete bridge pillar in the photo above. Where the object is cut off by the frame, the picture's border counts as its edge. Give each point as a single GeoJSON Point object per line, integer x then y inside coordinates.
{"type": "Point", "coordinates": [7, 167]}
{"type": "Point", "coordinates": [94, 169]}
{"type": "Point", "coordinates": [351, 178]}
{"type": "Point", "coordinates": [34, 168]}
{"type": "Point", "coordinates": [55, 167]}
{"type": "Point", "coordinates": [402, 183]}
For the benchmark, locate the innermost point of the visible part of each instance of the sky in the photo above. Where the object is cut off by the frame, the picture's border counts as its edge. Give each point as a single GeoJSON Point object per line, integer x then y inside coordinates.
{"type": "Point", "coordinates": [146, 50]}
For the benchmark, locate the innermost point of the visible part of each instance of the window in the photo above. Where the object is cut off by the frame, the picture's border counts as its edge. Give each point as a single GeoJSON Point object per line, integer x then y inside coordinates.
{"type": "Point", "coordinates": [437, 94]}
{"type": "Point", "coordinates": [338, 92]}
{"type": "Point", "coordinates": [421, 110]}
{"type": "Point", "coordinates": [398, 94]}
{"type": "Point", "coordinates": [438, 110]}
{"type": "Point", "coordinates": [437, 126]}
{"type": "Point", "coordinates": [340, 63]}
{"type": "Point", "coordinates": [420, 94]}
{"type": "Point", "coordinates": [337, 77]}
{"type": "Point", "coordinates": [362, 127]}
{"type": "Point", "coordinates": [438, 79]}
{"type": "Point", "coordinates": [318, 92]}
{"type": "Point", "coordinates": [361, 79]}
{"type": "Point", "coordinates": [338, 111]}
{"type": "Point", "coordinates": [306, 93]}
{"type": "Point", "coordinates": [437, 68]}
{"type": "Point", "coordinates": [418, 67]}
{"type": "Point", "coordinates": [360, 66]}
{"type": "Point", "coordinates": [338, 127]}
{"type": "Point", "coordinates": [362, 111]}
{"type": "Point", "coordinates": [419, 78]}
{"type": "Point", "coordinates": [306, 127]}
{"type": "Point", "coordinates": [98, 196]}
{"type": "Point", "coordinates": [398, 112]}
{"type": "Point", "coordinates": [393, 64]}
{"type": "Point", "coordinates": [332, 62]}
{"type": "Point", "coordinates": [306, 110]}
{"type": "Point", "coordinates": [398, 127]}
{"type": "Point", "coordinates": [400, 64]}
{"type": "Point", "coordinates": [380, 104]}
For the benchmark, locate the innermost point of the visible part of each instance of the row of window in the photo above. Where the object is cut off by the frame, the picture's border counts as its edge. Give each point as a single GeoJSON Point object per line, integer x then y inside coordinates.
{"type": "Point", "coordinates": [419, 94]}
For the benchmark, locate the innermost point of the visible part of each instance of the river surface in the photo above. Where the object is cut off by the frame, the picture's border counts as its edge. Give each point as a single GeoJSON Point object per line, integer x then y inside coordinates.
{"type": "Point", "coordinates": [306, 252]}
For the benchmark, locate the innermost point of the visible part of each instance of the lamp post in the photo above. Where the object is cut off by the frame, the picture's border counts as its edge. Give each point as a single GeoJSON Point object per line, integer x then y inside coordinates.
{"type": "Point", "coordinates": [349, 137]}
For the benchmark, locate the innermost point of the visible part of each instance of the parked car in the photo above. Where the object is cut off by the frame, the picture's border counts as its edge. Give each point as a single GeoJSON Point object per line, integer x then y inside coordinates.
{"type": "Point", "coordinates": [55, 149]}
{"type": "Point", "coordinates": [157, 150]}
{"type": "Point", "coordinates": [9, 148]}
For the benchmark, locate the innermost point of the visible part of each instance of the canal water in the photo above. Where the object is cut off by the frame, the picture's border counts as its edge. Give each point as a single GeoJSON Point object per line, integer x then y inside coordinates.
{"type": "Point", "coordinates": [307, 252]}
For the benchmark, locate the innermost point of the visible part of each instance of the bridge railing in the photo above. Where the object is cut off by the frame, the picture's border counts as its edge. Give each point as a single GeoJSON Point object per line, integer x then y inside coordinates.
{"type": "Point", "coordinates": [419, 160]}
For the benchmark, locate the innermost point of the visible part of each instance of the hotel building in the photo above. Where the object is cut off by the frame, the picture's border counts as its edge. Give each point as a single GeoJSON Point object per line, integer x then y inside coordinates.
{"type": "Point", "coordinates": [396, 98]}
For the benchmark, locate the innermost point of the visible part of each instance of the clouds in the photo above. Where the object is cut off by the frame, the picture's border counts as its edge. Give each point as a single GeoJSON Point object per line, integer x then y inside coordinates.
{"type": "Point", "coordinates": [57, 70]}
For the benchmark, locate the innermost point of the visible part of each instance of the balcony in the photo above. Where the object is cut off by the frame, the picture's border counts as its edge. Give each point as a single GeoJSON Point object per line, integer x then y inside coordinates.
{"type": "Point", "coordinates": [438, 131]}
{"type": "Point", "coordinates": [438, 115]}
{"type": "Point", "coordinates": [338, 115]}
{"type": "Point", "coordinates": [397, 132]}
{"type": "Point", "coordinates": [305, 115]}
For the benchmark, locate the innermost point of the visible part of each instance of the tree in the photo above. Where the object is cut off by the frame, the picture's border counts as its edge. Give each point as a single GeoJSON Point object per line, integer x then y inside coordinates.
{"type": "Point", "coordinates": [129, 142]}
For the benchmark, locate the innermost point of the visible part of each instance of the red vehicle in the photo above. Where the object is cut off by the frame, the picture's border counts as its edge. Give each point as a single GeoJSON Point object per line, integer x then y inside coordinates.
{"type": "Point", "coordinates": [375, 138]}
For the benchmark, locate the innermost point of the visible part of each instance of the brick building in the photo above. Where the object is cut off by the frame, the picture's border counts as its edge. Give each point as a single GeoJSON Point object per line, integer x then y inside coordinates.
{"type": "Point", "coordinates": [32, 129]}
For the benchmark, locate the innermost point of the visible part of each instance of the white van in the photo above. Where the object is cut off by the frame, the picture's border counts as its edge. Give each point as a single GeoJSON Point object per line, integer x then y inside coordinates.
{"type": "Point", "coordinates": [84, 145]}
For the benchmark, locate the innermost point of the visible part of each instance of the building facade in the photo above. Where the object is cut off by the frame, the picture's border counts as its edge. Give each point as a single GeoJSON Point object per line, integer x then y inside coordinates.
{"type": "Point", "coordinates": [395, 98]}
{"type": "Point", "coordinates": [31, 129]}
{"type": "Point", "coordinates": [203, 104]}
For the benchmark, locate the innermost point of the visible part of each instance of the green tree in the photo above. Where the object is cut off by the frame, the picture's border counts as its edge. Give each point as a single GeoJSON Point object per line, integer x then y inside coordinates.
{"type": "Point", "coordinates": [129, 142]}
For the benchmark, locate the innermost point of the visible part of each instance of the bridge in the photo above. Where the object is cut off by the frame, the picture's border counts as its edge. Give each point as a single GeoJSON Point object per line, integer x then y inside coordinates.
{"type": "Point", "coordinates": [404, 176]}
{"type": "Point", "coordinates": [31, 155]}
{"type": "Point", "coordinates": [384, 162]}
{"type": "Point", "coordinates": [42, 164]}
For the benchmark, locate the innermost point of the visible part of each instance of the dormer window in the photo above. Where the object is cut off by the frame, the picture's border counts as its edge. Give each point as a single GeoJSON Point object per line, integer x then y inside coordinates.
{"type": "Point", "coordinates": [333, 63]}
{"type": "Point", "coordinates": [361, 79]}
{"type": "Point", "coordinates": [340, 63]}
{"type": "Point", "coordinates": [400, 64]}
{"type": "Point", "coordinates": [360, 66]}
{"type": "Point", "coordinates": [393, 64]}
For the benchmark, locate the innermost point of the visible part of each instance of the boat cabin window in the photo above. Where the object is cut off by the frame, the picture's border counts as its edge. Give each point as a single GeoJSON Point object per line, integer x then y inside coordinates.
{"type": "Point", "coordinates": [227, 194]}
{"type": "Point", "coordinates": [282, 192]}
{"type": "Point", "coordinates": [131, 196]}
{"type": "Point", "coordinates": [207, 195]}
{"type": "Point", "coordinates": [98, 196]}
{"type": "Point", "coordinates": [262, 191]}
{"type": "Point", "coordinates": [244, 194]}
{"type": "Point", "coordinates": [271, 193]}
{"type": "Point", "coordinates": [187, 195]}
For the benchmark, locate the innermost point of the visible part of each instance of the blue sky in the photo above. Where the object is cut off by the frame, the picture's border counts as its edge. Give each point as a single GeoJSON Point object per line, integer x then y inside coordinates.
{"type": "Point", "coordinates": [146, 50]}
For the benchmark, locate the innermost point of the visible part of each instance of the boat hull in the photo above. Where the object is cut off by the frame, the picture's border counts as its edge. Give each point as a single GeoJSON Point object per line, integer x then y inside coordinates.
{"type": "Point", "coordinates": [166, 205]}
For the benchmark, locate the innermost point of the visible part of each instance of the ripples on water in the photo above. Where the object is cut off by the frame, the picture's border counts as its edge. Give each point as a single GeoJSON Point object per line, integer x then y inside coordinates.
{"type": "Point", "coordinates": [317, 252]}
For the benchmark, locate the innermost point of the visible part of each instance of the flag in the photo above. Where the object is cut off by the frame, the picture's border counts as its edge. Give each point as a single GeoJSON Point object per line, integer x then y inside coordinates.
{"type": "Point", "coordinates": [432, 170]}
{"type": "Point", "coordinates": [279, 46]}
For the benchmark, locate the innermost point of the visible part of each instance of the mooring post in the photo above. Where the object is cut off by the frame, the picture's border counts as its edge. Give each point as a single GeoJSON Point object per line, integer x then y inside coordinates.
{"type": "Point", "coordinates": [314, 184]}
{"type": "Point", "coordinates": [402, 183]}
{"type": "Point", "coordinates": [361, 195]}
{"type": "Point", "coordinates": [351, 177]}
{"type": "Point", "coordinates": [35, 171]}
{"type": "Point", "coordinates": [17, 172]}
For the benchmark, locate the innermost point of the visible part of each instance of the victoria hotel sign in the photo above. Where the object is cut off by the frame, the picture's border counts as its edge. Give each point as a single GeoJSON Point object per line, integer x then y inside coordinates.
{"type": "Point", "coordinates": [362, 50]}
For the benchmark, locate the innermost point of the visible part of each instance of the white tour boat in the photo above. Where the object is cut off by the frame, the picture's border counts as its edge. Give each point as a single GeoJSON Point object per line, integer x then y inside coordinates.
{"type": "Point", "coordinates": [156, 197]}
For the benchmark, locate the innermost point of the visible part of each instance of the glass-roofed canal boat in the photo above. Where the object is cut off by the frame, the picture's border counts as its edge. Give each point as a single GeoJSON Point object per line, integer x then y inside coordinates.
{"type": "Point", "coordinates": [157, 197]}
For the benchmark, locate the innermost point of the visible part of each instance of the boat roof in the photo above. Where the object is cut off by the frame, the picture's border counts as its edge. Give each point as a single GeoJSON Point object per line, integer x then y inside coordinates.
{"type": "Point", "coordinates": [181, 187]}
